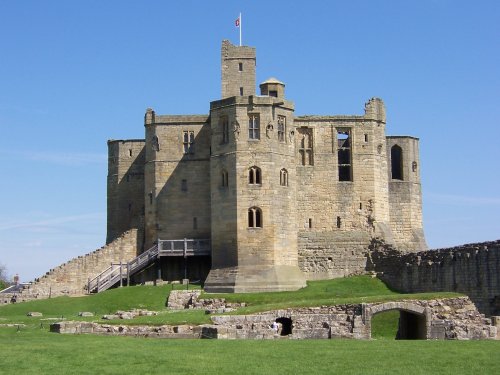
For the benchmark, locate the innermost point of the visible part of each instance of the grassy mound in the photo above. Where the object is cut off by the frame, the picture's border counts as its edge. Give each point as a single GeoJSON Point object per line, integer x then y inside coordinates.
{"type": "Point", "coordinates": [317, 293]}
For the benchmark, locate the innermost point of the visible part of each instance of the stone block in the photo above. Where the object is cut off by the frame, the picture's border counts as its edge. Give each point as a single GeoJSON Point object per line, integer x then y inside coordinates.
{"type": "Point", "coordinates": [85, 314]}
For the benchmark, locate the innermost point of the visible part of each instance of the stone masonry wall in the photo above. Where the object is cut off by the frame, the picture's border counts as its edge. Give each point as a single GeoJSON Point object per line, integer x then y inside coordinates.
{"type": "Point", "coordinates": [473, 269]}
{"type": "Point", "coordinates": [450, 318]}
{"type": "Point", "coordinates": [326, 255]}
{"type": "Point", "coordinates": [125, 188]}
{"type": "Point", "coordinates": [70, 278]}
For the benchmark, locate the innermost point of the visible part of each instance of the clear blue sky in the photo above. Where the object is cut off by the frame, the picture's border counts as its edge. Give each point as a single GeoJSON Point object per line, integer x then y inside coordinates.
{"type": "Point", "coordinates": [74, 74]}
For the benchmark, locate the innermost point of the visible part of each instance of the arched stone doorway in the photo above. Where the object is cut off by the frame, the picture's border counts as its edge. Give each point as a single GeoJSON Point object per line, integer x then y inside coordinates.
{"type": "Point", "coordinates": [414, 320]}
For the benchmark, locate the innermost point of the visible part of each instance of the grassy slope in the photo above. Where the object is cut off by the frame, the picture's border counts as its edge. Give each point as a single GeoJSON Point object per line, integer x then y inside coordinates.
{"type": "Point", "coordinates": [33, 350]}
{"type": "Point", "coordinates": [317, 293]}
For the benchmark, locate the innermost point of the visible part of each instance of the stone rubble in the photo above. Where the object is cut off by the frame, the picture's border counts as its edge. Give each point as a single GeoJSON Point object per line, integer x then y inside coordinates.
{"type": "Point", "coordinates": [182, 299]}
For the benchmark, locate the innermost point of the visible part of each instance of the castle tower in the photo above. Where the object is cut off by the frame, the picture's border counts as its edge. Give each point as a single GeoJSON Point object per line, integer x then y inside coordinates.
{"type": "Point", "coordinates": [125, 186]}
{"type": "Point", "coordinates": [252, 172]}
{"type": "Point", "coordinates": [238, 70]}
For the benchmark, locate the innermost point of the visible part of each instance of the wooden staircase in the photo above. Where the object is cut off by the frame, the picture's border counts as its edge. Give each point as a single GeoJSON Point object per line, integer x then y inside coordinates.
{"type": "Point", "coordinates": [118, 272]}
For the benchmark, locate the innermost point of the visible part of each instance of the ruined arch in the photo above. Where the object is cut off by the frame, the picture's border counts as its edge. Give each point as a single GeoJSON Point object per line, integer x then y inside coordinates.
{"type": "Point", "coordinates": [414, 320]}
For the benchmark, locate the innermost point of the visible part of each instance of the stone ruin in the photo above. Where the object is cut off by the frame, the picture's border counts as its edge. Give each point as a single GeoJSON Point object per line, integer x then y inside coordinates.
{"type": "Point", "coordinates": [446, 318]}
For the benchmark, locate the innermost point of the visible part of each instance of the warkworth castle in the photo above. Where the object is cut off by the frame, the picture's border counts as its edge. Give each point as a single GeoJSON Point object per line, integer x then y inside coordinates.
{"type": "Point", "coordinates": [272, 198]}
{"type": "Point", "coordinates": [251, 198]}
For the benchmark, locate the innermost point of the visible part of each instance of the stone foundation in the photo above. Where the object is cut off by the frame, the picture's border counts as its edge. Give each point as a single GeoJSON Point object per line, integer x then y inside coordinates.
{"type": "Point", "coordinates": [254, 279]}
{"type": "Point", "coordinates": [449, 319]}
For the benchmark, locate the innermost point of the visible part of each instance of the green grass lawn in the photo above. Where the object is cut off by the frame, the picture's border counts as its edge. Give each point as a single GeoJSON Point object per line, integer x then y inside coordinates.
{"type": "Point", "coordinates": [36, 351]}
{"type": "Point", "coordinates": [32, 349]}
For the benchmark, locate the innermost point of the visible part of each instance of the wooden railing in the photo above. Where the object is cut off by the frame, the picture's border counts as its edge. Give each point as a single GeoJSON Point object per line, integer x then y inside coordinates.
{"type": "Point", "coordinates": [185, 247]}
{"type": "Point", "coordinates": [118, 272]}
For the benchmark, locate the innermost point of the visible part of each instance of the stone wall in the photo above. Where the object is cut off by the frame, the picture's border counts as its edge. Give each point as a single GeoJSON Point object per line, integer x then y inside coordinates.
{"type": "Point", "coordinates": [405, 194]}
{"type": "Point", "coordinates": [472, 269]}
{"type": "Point", "coordinates": [450, 318]}
{"type": "Point", "coordinates": [326, 255]}
{"type": "Point", "coordinates": [125, 187]}
{"type": "Point", "coordinates": [71, 278]}
{"type": "Point", "coordinates": [177, 181]}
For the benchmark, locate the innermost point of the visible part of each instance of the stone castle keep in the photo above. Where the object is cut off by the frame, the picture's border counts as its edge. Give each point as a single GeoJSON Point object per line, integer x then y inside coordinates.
{"type": "Point", "coordinates": [252, 198]}
{"type": "Point", "coordinates": [274, 199]}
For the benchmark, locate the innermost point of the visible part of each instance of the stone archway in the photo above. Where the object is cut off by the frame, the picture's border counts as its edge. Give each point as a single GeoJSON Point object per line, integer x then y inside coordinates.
{"type": "Point", "coordinates": [414, 320]}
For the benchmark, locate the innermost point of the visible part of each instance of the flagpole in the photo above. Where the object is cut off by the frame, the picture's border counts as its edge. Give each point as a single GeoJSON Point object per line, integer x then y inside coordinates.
{"type": "Point", "coordinates": [240, 28]}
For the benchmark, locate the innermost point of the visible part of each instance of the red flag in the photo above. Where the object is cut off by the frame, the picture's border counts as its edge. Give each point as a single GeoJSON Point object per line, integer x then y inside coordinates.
{"type": "Point", "coordinates": [237, 22]}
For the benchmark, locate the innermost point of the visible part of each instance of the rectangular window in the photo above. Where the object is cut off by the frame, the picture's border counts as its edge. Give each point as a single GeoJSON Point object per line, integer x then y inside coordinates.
{"type": "Point", "coordinates": [241, 91]}
{"type": "Point", "coordinates": [225, 129]}
{"type": "Point", "coordinates": [253, 127]}
{"type": "Point", "coordinates": [240, 67]}
{"type": "Point", "coordinates": [344, 154]}
{"type": "Point", "coordinates": [281, 128]}
{"type": "Point", "coordinates": [306, 146]}
{"type": "Point", "coordinates": [188, 142]}
{"type": "Point", "coordinates": [184, 185]}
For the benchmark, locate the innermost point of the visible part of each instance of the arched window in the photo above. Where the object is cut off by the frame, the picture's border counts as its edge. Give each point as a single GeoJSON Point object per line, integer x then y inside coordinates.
{"type": "Point", "coordinates": [397, 162]}
{"type": "Point", "coordinates": [254, 217]}
{"type": "Point", "coordinates": [254, 176]}
{"type": "Point", "coordinates": [284, 177]}
{"type": "Point", "coordinates": [224, 178]}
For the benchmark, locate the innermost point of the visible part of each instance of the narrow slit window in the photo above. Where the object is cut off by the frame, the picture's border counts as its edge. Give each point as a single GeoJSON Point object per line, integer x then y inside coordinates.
{"type": "Point", "coordinates": [241, 91]}
{"type": "Point", "coordinates": [240, 67]}
{"type": "Point", "coordinates": [184, 185]}
{"type": "Point", "coordinates": [225, 182]}
{"type": "Point", "coordinates": [339, 222]}
{"type": "Point", "coordinates": [195, 223]}
{"type": "Point", "coordinates": [310, 223]}
{"type": "Point", "coordinates": [281, 129]}
{"type": "Point", "coordinates": [397, 162]}
{"type": "Point", "coordinates": [284, 177]}
{"type": "Point", "coordinates": [225, 129]}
